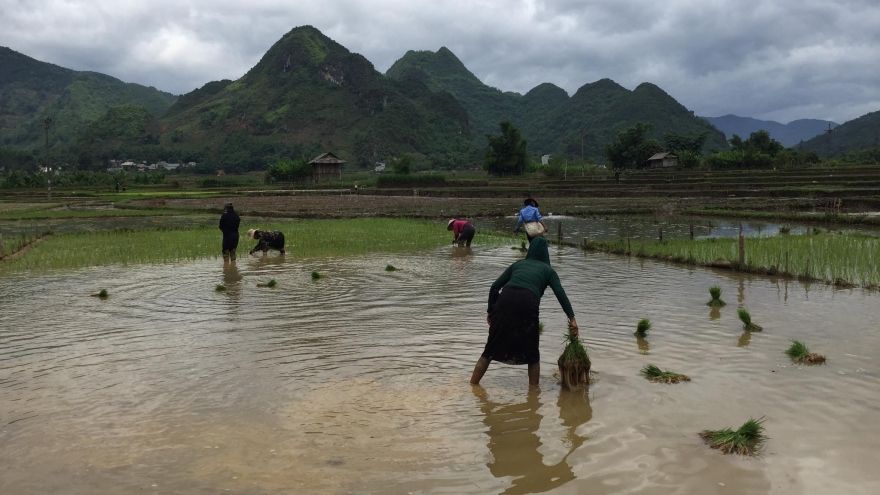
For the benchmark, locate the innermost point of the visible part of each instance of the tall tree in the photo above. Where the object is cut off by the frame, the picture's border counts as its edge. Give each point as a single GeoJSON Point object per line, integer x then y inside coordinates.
{"type": "Point", "coordinates": [507, 154]}
{"type": "Point", "coordinates": [631, 148]}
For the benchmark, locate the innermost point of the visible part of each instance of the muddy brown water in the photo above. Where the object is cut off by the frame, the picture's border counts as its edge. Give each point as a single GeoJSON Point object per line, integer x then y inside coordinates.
{"type": "Point", "coordinates": [358, 383]}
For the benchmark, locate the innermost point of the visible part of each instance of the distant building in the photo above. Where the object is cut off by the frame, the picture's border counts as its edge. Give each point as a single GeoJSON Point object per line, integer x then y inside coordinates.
{"type": "Point", "coordinates": [665, 159]}
{"type": "Point", "coordinates": [172, 166]}
{"type": "Point", "coordinates": [326, 166]}
{"type": "Point", "coordinates": [545, 159]}
{"type": "Point", "coordinates": [380, 167]}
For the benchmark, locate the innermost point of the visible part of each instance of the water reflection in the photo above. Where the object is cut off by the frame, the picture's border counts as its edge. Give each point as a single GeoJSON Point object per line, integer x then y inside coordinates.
{"type": "Point", "coordinates": [714, 313]}
{"type": "Point", "coordinates": [745, 339]}
{"type": "Point", "coordinates": [514, 443]}
{"type": "Point", "coordinates": [644, 346]}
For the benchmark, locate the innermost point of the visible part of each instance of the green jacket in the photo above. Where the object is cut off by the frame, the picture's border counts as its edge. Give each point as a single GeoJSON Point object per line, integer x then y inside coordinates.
{"type": "Point", "coordinates": [533, 273]}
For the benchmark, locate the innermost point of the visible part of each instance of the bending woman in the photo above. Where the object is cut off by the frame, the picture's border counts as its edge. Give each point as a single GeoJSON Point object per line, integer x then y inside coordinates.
{"type": "Point", "coordinates": [514, 301]}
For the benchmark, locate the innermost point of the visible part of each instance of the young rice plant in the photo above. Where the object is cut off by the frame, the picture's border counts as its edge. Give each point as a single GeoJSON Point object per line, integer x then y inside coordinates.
{"type": "Point", "coordinates": [653, 374]}
{"type": "Point", "coordinates": [746, 318]}
{"type": "Point", "coordinates": [744, 441]}
{"type": "Point", "coordinates": [574, 363]}
{"type": "Point", "coordinates": [800, 353]}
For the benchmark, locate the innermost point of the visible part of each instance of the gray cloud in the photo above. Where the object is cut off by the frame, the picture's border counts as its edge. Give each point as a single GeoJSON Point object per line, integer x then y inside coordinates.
{"type": "Point", "coordinates": [780, 60]}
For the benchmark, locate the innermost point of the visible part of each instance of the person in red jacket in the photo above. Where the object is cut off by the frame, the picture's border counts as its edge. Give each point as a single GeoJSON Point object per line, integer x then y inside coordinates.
{"type": "Point", "coordinates": [462, 232]}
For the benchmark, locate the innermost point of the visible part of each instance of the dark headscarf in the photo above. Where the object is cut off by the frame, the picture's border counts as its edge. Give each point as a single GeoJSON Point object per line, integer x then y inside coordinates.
{"type": "Point", "coordinates": [538, 250]}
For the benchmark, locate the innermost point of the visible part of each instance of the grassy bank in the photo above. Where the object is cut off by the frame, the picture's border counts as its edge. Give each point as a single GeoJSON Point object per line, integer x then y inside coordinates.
{"type": "Point", "coordinates": [837, 258]}
{"type": "Point", "coordinates": [304, 239]}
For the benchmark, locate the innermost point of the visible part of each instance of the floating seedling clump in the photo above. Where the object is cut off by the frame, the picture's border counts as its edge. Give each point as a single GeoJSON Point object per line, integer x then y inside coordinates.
{"type": "Point", "coordinates": [801, 354]}
{"type": "Point", "coordinates": [220, 288]}
{"type": "Point", "coordinates": [103, 294]}
{"type": "Point", "coordinates": [746, 318]}
{"type": "Point", "coordinates": [653, 373]}
{"type": "Point", "coordinates": [390, 268]}
{"type": "Point", "coordinates": [522, 247]}
{"type": "Point", "coordinates": [716, 301]}
{"type": "Point", "coordinates": [270, 284]}
{"type": "Point", "coordinates": [746, 440]}
{"type": "Point", "coordinates": [642, 327]}
{"type": "Point", "coordinates": [316, 276]}
{"type": "Point", "coordinates": [574, 363]}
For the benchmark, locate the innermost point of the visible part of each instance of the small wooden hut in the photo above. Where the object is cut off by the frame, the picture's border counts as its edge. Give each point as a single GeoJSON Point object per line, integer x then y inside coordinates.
{"type": "Point", "coordinates": [326, 166]}
{"type": "Point", "coordinates": [665, 159]}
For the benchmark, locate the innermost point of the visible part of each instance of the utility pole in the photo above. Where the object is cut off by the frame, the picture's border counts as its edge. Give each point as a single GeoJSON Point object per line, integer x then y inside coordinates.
{"type": "Point", "coordinates": [583, 132]}
{"type": "Point", "coordinates": [48, 123]}
{"type": "Point", "coordinates": [829, 131]}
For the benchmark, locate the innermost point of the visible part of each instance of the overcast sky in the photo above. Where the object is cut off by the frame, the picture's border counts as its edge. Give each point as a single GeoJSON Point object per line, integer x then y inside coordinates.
{"type": "Point", "coordinates": [768, 59]}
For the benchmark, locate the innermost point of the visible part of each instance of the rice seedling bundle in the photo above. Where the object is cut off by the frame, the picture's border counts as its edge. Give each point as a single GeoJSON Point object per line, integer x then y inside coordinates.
{"type": "Point", "coordinates": [744, 441]}
{"type": "Point", "coordinates": [801, 354]}
{"type": "Point", "coordinates": [103, 294]}
{"type": "Point", "coordinates": [642, 327]}
{"type": "Point", "coordinates": [746, 318]}
{"type": "Point", "coordinates": [574, 363]}
{"type": "Point", "coordinates": [270, 284]}
{"type": "Point", "coordinates": [316, 276]}
{"type": "Point", "coordinates": [716, 301]}
{"type": "Point", "coordinates": [654, 374]}
{"type": "Point", "coordinates": [390, 268]}
{"type": "Point", "coordinates": [220, 288]}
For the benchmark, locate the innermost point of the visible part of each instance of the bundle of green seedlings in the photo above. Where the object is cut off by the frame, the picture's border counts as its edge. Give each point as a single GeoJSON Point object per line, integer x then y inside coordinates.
{"type": "Point", "coordinates": [220, 288]}
{"type": "Point", "coordinates": [642, 327]}
{"type": "Point", "coordinates": [801, 354]}
{"type": "Point", "coordinates": [271, 283]}
{"type": "Point", "coordinates": [746, 440]}
{"type": "Point", "coordinates": [716, 301]}
{"type": "Point", "coordinates": [522, 247]}
{"type": "Point", "coordinates": [574, 363]}
{"type": "Point", "coordinates": [316, 276]}
{"type": "Point", "coordinates": [746, 318]}
{"type": "Point", "coordinates": [653, 373]}
{"type": "Point", "coordinates": [103, 294]}
{"type": "Point", "coordinates": [390, 268]}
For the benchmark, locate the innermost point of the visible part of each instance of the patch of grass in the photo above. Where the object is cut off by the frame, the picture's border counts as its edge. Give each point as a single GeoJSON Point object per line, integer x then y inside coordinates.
{"type": "Point", "coordinates": [317, 276]}
{"type": "Point", "coordinates": [852, 257]}
{"type": "Point", "coordinates": [642, 327]}
{"type": "Point", "coordinates": [746, 318]}
{"type": "Point", "coordinates": [744, 441]}
{"type": "Point", "coordinates": [540, 328]}
{"type": "Point", "coordinates": [314, 239]}
{"type": "Point", "coordinates": [574, 363]}
{"type": "Point", "coordinates": [654, 374]}
{"type": "Point", "coordinates": [390, 268]}
{"type": "Point", "coordinates": [800, 353]}
{"type": "Point", "coordinates": [522, 247]}
{"type": "Point", "coordinates": [716, 301]}
{"type": "Point", "coordinates": [220, 288]}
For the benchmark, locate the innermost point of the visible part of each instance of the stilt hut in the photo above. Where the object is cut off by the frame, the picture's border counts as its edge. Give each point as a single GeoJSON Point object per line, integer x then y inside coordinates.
{"type": "Point", "coordinates": [326, 166]}
{"type": "Point", "coordinates": [665, 159]}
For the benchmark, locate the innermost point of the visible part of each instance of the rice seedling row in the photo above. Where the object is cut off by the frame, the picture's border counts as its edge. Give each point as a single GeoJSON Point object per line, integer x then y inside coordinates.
{"type": "Point", "coordinates": [837, 258]}
{"type": "Point", "coordinates": [305, 239]}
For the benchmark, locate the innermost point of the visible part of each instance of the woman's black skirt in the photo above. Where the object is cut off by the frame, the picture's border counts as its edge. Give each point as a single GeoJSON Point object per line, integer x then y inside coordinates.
{"type": "Point", "coordinates": [513, 333]}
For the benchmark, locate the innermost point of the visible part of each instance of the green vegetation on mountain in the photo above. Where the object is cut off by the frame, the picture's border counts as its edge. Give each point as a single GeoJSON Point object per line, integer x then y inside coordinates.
{"type": "Point", "coordinates": [861, 134]}
{"type": "Point", "coordinates": [31, 90]}
{"type": "Point", "coordinates": [309, 89]}
{"type": "Point", "coordinates": [551, 121]}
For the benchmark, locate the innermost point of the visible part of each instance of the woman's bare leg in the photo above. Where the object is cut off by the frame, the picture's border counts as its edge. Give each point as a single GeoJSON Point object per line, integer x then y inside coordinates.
{"type": "Point", "coordinates": [534, 373]}
{"type": "Point", "coordinates": [479, 370]}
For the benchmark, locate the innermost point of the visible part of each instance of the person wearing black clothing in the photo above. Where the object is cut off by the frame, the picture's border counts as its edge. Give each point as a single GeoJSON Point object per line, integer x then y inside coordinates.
{"type": "Point", "coordinates": [229, 222]}
{"type": "Point", "coordinates": [267, 239]}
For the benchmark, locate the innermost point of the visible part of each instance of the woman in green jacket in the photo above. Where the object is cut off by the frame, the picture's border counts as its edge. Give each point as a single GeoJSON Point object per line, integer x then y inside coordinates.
{"type": "Point", "coordinates": [514, 300]}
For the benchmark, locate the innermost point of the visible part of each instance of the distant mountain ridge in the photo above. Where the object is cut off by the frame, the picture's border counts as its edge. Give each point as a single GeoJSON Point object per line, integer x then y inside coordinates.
{"type": "Point", "coordinates": [788, 134]}
{"type": "Point", "coordinates": [550, 120]}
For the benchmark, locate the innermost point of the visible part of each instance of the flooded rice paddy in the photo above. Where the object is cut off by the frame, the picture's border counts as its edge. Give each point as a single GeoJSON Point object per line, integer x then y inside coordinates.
{"type": "Point", "coordinates": [358, 382]}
